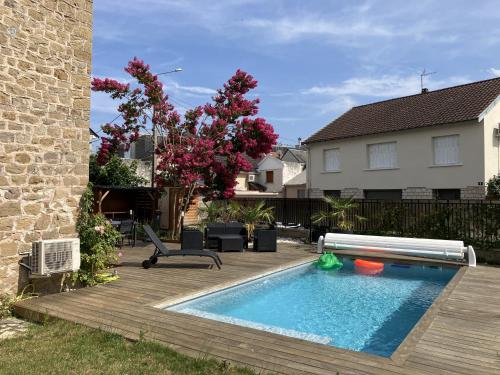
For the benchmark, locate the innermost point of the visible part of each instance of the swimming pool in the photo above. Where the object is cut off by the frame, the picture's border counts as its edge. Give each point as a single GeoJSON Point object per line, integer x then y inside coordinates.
{"type": "Point", "coordinates": [340, 308]}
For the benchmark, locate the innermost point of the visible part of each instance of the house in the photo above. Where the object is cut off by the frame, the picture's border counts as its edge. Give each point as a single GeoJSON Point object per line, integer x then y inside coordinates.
{"type": "Point", "coordinates": [275, 171]}
{"type": "Point", "coordinates": [441, 144]}
{"type": "Point", "coordinates": [296, 187]}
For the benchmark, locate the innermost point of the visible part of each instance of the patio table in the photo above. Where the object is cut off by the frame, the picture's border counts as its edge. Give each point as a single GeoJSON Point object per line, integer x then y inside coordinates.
{"type": "Point", "coordinates": [230, 242]}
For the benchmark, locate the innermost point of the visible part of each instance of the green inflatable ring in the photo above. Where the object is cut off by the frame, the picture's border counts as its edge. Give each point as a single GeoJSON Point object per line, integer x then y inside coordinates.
{"type": "Point", "coordinates": [328, 261]}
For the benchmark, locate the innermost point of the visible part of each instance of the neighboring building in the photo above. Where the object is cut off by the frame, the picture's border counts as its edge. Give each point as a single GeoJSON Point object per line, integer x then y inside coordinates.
{"type": "Point", "coordinates": [294, 155]}
{"type": "Point", "coordinates": [142, 148]}
{"type": "Point", "coordinates": [296, 187]}
{"type": "Point", "coordinates": [440, 144]}
{"type": "Point", "coordinates": [275, 172]}
{"type": "Point", "coordinates": [44, 132]}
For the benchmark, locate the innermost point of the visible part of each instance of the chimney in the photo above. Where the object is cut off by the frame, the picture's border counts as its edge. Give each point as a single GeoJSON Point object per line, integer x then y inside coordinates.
{"type": "Point", "coordinates": [425, 90]}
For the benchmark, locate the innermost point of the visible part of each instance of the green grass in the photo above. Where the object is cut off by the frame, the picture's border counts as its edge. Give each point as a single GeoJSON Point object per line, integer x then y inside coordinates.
{"type": "Point", "coordinates": [60, 347]}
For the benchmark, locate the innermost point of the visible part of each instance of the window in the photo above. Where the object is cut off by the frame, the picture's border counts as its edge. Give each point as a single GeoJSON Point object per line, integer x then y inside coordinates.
{"type": "Point", "coordinates": [301, 193]}
{"type": "Point", "coordinates": [331, 160]}
{"type": "Point", "coordinates": [393, 194]}
{"type": "Point", "coordinates": [269, 177]}
{"type": "Point", "coordinates": [382, 156]}
{"type": "Point", "coordinates": [446, 194]}
{"type": "Point", "coordinates": [332, 193]}
{"type": "Point", "coordinates": [446, 150]}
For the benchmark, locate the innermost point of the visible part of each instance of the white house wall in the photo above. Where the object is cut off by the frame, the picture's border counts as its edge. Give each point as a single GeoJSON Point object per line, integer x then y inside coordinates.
{"type": "Point", "coordinates": [270, 163]}
{"type": "Point", "coordinates": [491, 149]}
{"type": "Point", "coordinates": [290, 170]}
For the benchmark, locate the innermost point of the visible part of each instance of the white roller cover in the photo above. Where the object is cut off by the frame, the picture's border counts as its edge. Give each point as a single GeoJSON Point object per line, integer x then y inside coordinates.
{"type": "Point", "coordinates": [424, 247]}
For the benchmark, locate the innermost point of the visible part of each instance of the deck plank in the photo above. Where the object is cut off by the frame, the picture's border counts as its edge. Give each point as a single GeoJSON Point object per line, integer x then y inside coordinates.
{"type": "Point", "coordinates": [463, 335]}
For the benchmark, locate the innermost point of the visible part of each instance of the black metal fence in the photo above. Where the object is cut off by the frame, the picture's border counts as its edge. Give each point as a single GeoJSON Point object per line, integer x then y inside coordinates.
{"type": "Point", "coordinates": [475, 222]}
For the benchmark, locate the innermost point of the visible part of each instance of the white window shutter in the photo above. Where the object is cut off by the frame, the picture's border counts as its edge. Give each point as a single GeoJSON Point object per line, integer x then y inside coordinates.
{"type": "Point", "coordinates": [446, 150]}
{"type": "Point", "coordinates": [382, 155]}
{"type": "Point", "coordinates": [332, 160]}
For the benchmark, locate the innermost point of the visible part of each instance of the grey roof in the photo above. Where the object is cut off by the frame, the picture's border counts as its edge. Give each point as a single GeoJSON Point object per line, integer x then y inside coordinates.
{"type": "Point", "coordinates": [295, 155]}
{"type": "Point", "coordinates": [254, 162]}
{"type": "Point", "coordinates": [300, 179]}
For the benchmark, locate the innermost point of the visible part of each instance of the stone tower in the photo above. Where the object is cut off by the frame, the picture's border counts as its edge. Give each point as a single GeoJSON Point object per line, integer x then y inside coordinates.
{"type": "Point", "coordinates": [45, 66]}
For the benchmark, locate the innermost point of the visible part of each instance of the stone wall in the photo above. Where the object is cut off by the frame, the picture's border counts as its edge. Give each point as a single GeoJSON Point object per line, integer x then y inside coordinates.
{"type": "Point", "coordinates": [473, 192]}
{"type": "Point", "coordinates": [417, 193]}
{"type": "Point", "coordinates": [45, 66]}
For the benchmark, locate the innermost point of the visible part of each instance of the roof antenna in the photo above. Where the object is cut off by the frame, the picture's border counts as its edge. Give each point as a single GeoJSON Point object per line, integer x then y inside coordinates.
{"type": "Point", "coordinates": [422, 75]}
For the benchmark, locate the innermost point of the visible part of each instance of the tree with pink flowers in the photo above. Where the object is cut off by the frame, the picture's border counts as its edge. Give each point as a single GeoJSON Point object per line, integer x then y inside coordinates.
{"type": "Point", "coordinates": [201, 151]}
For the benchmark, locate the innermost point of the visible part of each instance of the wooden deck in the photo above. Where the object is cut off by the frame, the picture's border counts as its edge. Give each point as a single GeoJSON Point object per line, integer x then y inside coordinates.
{"type": "Point", "coordinates": [460, 334]}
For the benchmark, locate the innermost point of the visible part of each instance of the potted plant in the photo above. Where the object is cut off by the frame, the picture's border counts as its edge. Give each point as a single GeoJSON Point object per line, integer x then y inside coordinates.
{"type": "Point", "coordinates": [339, 213]}
{"type": "Point", "coordinates": [257, 214]}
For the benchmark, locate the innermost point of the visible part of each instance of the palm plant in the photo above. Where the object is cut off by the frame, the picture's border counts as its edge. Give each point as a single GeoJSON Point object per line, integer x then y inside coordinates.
{"type": "Point", "coordinates": [211, 212]}
{"type": "Point", "coordinates": [253, 215]}
{"type": "Point", "coordinates": [219, 211]}
{"type": "Point", "coordinates": [339, 210]}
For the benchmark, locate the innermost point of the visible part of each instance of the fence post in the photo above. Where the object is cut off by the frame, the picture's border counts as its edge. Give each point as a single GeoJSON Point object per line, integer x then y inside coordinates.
{"type": "Point", "coordinates": [285, 211]}
{"type": "Point", "coordinates": [310, 220]}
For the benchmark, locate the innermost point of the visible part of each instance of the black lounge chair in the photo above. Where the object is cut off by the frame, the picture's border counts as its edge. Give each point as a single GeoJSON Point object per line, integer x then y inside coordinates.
{"type": "Point", "coordinates": [162, 251]}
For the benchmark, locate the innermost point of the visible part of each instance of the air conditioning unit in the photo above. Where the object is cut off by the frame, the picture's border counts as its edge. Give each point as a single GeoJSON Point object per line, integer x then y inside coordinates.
{"type": "Point", "coordinates": [55, 256]}
{"type": "Point", "coordinates": [251, 178]}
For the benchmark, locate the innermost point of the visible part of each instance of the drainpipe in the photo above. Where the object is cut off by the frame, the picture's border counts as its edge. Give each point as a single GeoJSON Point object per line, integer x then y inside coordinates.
{"type": "Point", "coordinates": [308, 171]}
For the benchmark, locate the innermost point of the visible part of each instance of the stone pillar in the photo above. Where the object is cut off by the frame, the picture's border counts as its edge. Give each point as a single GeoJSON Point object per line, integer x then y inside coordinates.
{"type": "Point", "coordinates": [417, 193]}
{"type": "Point", "coordinates": [45, 66]}
{"type": "Point", "coordinates": [352, 192]}
{"type": "Point", "coordinates": [473, 192]}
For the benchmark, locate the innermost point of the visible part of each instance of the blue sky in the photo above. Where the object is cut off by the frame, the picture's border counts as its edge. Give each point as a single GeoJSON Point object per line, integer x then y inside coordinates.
{"type": "Point", "coordinates": [313, 59]}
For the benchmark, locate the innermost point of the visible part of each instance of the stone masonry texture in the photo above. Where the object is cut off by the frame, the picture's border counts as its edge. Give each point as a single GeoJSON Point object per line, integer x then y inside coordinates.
{"type": "Point", "coordinates": [473, 192]}
{"type": "Point", "coordinates": [417, 193]}
{"type": "Point", "coordinates": [45, 66]}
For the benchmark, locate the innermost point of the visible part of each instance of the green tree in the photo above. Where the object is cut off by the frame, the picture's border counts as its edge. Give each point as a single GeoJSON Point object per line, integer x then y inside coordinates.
{"type": "Point", "coordinates": [114, 173]}
{"type": "Point", "coordinates": [494, 187]}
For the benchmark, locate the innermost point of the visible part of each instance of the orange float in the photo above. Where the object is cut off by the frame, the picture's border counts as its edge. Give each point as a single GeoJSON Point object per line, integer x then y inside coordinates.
{"type": "Point", "coordinates": [366, 267]}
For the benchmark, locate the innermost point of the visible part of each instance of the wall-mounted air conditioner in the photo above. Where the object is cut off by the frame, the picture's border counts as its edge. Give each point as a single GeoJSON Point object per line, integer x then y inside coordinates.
{"type": "Point", "coordinates": [55, 256]}
{"type": "Point", "coordinates": [251, 178]}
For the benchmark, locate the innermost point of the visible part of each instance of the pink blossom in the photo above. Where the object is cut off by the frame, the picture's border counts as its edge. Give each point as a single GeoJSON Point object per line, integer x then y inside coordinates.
{"type": "Point", "coordinates": [207, 144]}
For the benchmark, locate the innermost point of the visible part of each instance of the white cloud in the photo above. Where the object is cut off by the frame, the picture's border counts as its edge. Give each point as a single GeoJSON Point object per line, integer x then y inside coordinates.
{"type": "Point", "coordinates": [340, 104]}
{"type": "Point", "coordinates": [350, 92]}
{"type": "Point", "coordinates": [289, 29]}
{"type": "Point", "coordinates": [387, 86]}
{"type": "Point", "coordinates": [495, 72]}
{"type": "Point", "coordinates": [199, 90]}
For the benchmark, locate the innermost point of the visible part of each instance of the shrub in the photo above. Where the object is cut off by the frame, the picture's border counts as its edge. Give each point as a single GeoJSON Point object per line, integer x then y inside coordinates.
{"type": "Point", "coordinates": [114, 173]}
{"type": "Point", "coordinates": [98, 239]}
{"type": "Point", "coordinates": [494, 187]}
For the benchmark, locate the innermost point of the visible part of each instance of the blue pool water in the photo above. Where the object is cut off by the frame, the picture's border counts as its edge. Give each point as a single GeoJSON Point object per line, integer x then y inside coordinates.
{"type": "Point", "coordinates": [340, 308]}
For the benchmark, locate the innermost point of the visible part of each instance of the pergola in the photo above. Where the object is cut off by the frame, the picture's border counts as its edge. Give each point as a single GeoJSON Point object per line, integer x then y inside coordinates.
{"type": "Point", "coordinates": [118, 202]}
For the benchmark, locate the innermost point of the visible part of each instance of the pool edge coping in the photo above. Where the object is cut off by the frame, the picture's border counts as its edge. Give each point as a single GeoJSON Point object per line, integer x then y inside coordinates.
{"type": "Point", "coordinates": [163, 304]}
{"type": "Point", "coordinates": [408, 345]}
